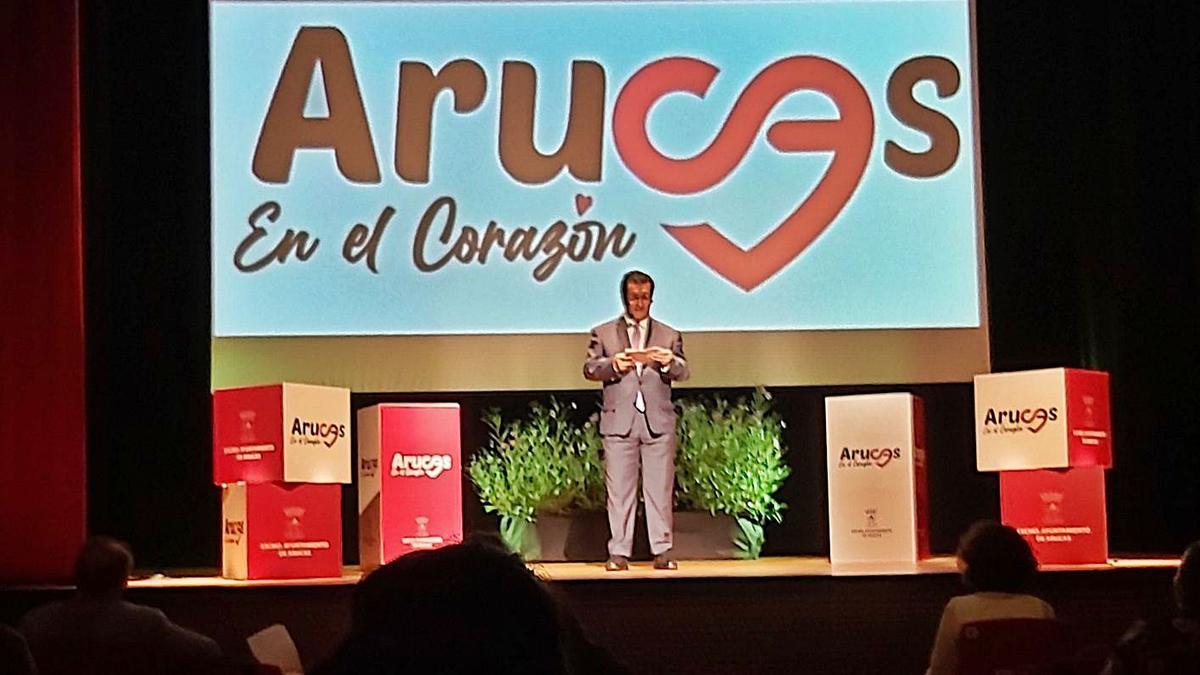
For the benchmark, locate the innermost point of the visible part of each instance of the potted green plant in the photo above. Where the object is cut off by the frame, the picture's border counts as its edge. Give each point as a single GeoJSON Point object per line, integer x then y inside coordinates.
{"type": "Point", "coordinates": [543, 475]}
{"type": "Point", "coordinates": [730, 461]}
{"type": "Point", "coordinates": [544, 464]}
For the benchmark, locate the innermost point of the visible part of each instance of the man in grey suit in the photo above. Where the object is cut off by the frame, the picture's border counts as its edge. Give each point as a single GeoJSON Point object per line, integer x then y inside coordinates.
{"type": "Point", "coordinates": [637, 359]}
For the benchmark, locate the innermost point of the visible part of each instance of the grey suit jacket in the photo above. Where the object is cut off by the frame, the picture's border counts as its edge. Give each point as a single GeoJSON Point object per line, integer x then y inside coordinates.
{"type": "Point", "coordinates": [620, 391]}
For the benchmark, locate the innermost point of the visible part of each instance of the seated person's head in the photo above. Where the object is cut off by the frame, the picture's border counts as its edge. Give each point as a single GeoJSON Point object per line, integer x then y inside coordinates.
{"type": "Point", "coordinates": [103, 566]}
{"type": "Point", "coordinates": [993, 557]}
{"type": "Point", "coordinates": [471, 607]}
{"type": "Point", "coordinates": [1187, 582]}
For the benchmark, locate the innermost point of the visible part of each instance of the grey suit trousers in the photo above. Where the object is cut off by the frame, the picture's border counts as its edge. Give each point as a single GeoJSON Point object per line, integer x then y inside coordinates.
{"type": "Point", "coordinates": [622, 456]}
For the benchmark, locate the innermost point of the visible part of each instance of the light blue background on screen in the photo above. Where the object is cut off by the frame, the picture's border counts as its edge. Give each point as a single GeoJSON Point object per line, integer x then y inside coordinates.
{"type": "Point", "coordinates": [901, 254]}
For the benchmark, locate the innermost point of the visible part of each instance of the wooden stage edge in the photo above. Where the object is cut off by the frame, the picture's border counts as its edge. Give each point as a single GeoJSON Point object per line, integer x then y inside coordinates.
{"type": "Point", "coordinates": [771, 567]}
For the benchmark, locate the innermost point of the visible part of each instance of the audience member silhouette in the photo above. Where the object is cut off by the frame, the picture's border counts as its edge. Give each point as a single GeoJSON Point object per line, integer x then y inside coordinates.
{"type": "Point", "coordinates": [15, 658]}
{"type": "Point", "coordinates": [1166, 647]}
{"type": "Point", "coordinates": [998, 566]}
{"type": "Point", "coordinates": [97, 631]}
{"type": "Point", "coordinates": [467, 608]}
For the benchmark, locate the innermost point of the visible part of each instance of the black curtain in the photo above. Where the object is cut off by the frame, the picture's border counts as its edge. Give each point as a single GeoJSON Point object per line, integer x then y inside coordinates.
{"type": "Point", "coordinates": [1092, 205]}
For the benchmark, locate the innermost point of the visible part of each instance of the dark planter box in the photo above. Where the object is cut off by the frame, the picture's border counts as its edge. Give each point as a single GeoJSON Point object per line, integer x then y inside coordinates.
{"type": "Point", "coordinates": [583, 537]}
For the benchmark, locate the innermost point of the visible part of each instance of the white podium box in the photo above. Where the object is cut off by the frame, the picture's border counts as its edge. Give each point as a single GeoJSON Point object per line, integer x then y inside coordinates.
{"type": "Point", "coordinates": [295, 433]}
{"type": "Point", "coordinates": [877, 494]}
{"type": "Point", "coordinates": [1042, 419]}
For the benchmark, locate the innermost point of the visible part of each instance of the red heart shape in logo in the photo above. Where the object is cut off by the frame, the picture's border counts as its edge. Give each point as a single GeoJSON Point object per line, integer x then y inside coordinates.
{"type": "Point", "coordinates": [849, 138]}
{"type": "Point", "coordinates": [886, 457]}
{"type": "Point", "coordinates": [582, 204]}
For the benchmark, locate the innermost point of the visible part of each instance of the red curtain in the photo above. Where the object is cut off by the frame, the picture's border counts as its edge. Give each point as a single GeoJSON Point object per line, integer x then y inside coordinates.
{"type": "Point", "coordinates": [42, 427]}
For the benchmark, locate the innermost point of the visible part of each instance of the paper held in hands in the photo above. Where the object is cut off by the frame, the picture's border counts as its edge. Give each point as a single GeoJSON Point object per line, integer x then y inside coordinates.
{"type": "Point", "coordinates": [646, 356]}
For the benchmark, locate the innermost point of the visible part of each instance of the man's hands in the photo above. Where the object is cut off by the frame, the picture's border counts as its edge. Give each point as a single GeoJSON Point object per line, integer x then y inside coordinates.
{"type": "Point", "coordinates": [661, 355]}
{"type": "Point", "coordinates": [622, 361]}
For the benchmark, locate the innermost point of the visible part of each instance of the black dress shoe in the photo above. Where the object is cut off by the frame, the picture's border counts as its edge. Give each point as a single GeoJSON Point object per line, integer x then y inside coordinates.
{"type": "Point", "coordinates": [664, 561]}
{"type": "Point", "coordinates": [616, 563]}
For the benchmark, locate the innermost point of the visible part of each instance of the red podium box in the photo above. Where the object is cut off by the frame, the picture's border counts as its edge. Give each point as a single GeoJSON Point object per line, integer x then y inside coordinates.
{"type": "Point", "coordinates": [1042, 419]}
{"type": "Point", "coordinates": [295, 433]}
{"type": "Point", "coordinates": [409, 479]}
{"type": "Point", "coordinates": [275, 531]}
{"type": "Point", "coordinates": [1062, 514]}
{"type": "Point", "coordinates": [1057, 419]}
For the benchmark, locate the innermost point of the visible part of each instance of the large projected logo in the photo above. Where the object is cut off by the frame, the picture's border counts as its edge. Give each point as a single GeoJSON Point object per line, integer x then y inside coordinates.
{"type": "Point", "coordinates": [849, 138]}
{"type": "Point", "coordinates": [701, 157]}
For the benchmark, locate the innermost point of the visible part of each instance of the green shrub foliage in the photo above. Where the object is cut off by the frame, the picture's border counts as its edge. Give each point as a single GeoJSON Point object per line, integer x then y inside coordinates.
{"type": "Point", "coordinates": [730, 457]}
{"type": "Point", "coordinates": [729, 461]}
{"type": "Point", "coordinates": [546, 462]}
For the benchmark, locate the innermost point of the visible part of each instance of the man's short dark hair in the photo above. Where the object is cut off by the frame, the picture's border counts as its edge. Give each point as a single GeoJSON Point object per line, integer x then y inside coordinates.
{"type": "Point", "coordinates": [635, 277]}
{"type": "Point", "coordinates": [1187, 582]}
{"type": "Point", "coordinates": [997, 558]}
{"type": "Point", "coordinates": [103, 566]}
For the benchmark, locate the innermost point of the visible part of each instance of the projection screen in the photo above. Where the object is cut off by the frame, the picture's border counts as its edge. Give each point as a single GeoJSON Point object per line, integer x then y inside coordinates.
{"type": "Point", "coordinates": [418, 196]}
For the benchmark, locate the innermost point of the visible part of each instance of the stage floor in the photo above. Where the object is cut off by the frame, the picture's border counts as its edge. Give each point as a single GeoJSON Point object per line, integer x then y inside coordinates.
{"type": "Point", "coordinates": [798, 566]}
{"type": "Point", "coordinates": [771, 567]}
